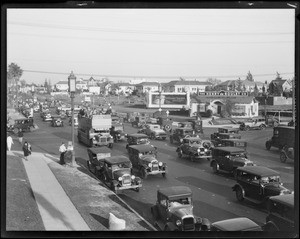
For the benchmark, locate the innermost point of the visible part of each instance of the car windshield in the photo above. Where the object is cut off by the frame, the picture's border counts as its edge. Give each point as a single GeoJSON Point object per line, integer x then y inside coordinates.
{"type": "Point", "coordinates": [242, 155]}
{"type": "Point", "coordinates": [121, 166]}
{"type": "Point", "coordinates": [195, 142]}
{"type": "Point", "coordinates": [143, 141]}
{"type": "Point", "coordinates": [270, 179]}
{"type": "Point", "coordinates": [181, 201]}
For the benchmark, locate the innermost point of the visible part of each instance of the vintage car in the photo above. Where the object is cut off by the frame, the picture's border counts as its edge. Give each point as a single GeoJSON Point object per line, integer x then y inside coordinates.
{"type": "Point", "coordinates": [153, 131]}
{"type": "Point", "coordinates": [144, 159]}
{"type": "Point", "coordinates": [139, 121]}
{"type": "Point", "coordinates": [286, 153]}
{"type": "Point", "coordinates": [217, 138]}
{"type": "Point", "coordinates": [281, 213]}
{"type": "Point", "coordinates": [228, 129]}
{"type": "Point", "coordinates": [75, 121]}
{"type": "Point", "coordinates": [229, 159]}
{"type": "Point", "coordinates": [180, 133]}
{"type": "Point", "coordinates": [47, 116]}
{"type": "Point", "coordinates": [254, 123]}
{"type": "Point", "coordinates": [117, 132]}
{"type": "Point", "coordinates": [25, 124]}
{"type": "Point", "coordinates": [173, 211]}
{"type": "Point", "coordinates": [135, 139]}
{"type": "Point", "coordinates": [57, 121]}
{"type": "Point", "coordinates": [240, 143]}
{"type": "Point", "coordinates": [235, 224]}
{"type": "Point", "coordinates": [283, 136]}
{"type": "Point", "coordinates": [195, 148]}
{"type": "Point", "coordinates": [63, 114]}
{"type": "Point", "coordinates": [257, 184]}
{"type": "Point", "coordinates": [114, 171]}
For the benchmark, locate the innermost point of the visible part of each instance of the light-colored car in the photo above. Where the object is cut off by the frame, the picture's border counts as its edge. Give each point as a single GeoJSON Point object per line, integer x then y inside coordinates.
{"type": "Point", "coordinates": [235, 224]}
{"type": "Point", "coordinates": [253, 123]}
{"type": "Point", "coordinates": [154, 131]}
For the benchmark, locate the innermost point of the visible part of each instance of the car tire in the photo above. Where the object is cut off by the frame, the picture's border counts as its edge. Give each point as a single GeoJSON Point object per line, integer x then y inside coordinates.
{"type": "Point", "coordinates": [268, 145]}
{"type": "Point", "coordinates": [164, 175]}
{"type": "Point", "coordinates": [215, 167]}
{"type": "Point", "coordinates": [239, 194]}
{"type": "Point", "coordinates": [137, 189]}
{"type": "Point", "coordinates": [262, 127]}
{"type": "Point", "coordinates": [275, 124]}
{"type": "Point", "coordinates": [283, 157]}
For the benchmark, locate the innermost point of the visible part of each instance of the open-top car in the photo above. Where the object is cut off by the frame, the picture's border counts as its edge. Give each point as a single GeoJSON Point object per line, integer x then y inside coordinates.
{"type": "Point", "coordinates": [217, 138]}
{"type": "Point", "coordinates": [135, 139]}
{"type": "Point", "coordinates": [253, 123]}
{"type": "Point", "coordinates": [153, 131]}
{"type": "Point", "coordinates": [114, 171]}
{"type": "Point", "coordinates": [195, 148]}
{"type": "Point", "coordinates": [229, 159]}
{"type": "Point", "coordinates": [235, 224]}
{"type": "Point", "coordinates": [57, 121]}
{"type": "Point", "coordinates": [257, 184]}
{"type": "Point", "coordinates": [173, 211]}
{"type": "Point", "coordinates": [179, 134]}
{"type": "Point", "coordinates": [144, 159]}
{"type": "Point", "coordinates": [281, 213]}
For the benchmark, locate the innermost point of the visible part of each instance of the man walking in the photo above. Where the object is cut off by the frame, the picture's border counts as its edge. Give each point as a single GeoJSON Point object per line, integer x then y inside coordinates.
{"type": "Point", "coordinates": [9, 142]}
{"type": "Point", "coordinates": [62, 150]}
{"type": "Point", "coordinates": [20, 136]}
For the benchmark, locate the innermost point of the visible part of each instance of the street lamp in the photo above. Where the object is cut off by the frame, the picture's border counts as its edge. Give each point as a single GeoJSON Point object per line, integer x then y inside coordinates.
{"type": "Point", "coordinates": [159, 90]}
{"type": "Point", "coordinates": [72, 90]}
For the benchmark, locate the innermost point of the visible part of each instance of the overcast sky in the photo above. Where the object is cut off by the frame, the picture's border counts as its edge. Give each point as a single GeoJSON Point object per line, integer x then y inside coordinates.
{"type": "Point", "coordinates": [191, 43]}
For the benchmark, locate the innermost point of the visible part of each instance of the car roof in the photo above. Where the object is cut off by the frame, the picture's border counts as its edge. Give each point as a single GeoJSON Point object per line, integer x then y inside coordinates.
{"type": "Point", "coordinates": [137, 135]}
{"type": "Point", "coordinates": [142, 147]}
{"type": "Point", "coordinates": [175, 191]}
{"type": "Point", "coordinates": [239, 140]}
{"type": "Point", "coordinates": [194, 138]}
{"type": "Point", "coordinates": [116, 159]}
{"type": "Point", "coordinates": [229, 149]}
{"type": "Point", "coordinates": [99, 150]}
{"type": "Point", "coordinates": [287, 199]}
{"type": "Point", "coordinates": [259, 170]}
{"type": "Point", "coordinates": [237, 224]}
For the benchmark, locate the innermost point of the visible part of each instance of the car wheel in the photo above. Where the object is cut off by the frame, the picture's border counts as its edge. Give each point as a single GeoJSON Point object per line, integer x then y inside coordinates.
{"type": "Point", "coordinates": [215, 167]}
{"type": "Point", "coordinates": [164, 175]}
{"type": "Point", "coordinates": [275, 123]}
{"type": "Point", "coordinates": [262, 126]}
{"type": "Point", "coordinates": [239, 194]}
{"type": "Point", "coordinates": [247, 128]}
{"type": "Point", "coordinates": [268, 145]}
{"type": "Point", "coordinates": [283, 157]}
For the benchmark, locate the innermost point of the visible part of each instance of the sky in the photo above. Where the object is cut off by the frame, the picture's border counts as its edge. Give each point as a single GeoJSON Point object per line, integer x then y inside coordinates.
{"type": "Point", "coordinates": [154, 44]}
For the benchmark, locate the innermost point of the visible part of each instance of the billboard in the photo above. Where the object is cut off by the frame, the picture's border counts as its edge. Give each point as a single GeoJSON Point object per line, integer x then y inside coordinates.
{"type": "Point", "coordinates": [168, 100]}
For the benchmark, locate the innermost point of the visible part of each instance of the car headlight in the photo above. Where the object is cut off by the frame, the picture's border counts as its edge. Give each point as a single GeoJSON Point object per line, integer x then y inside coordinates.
{"type": "Point", "coordinates": [120, 178]}
{"type": "Point", "coordinates": [94, 138]}
{"type": "Point", "coordinates": [160, 164]}
{"type": "Point", "coordinates": [178, 222]}
{"type": "Point", "coordinates": [132, 177]}
{"type": "Point", "coordinates": [118, 134]}
{"type": "Point", "coordinates": [150, 165]}
{"type": "Point", "coordinates": [205, 150]}
{"type": "Point", "coordinates": [198, 150]}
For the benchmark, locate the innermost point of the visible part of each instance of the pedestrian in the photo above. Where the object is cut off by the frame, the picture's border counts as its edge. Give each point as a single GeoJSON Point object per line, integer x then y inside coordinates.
{"type": "Point", "coordinates": [20, 136]}
{"type": "Point", "coordinates": [26, 149]}
{"type": "Point", "coordinates": [62, 150]}
{"type": "Point", "coordinates": [9, 142]}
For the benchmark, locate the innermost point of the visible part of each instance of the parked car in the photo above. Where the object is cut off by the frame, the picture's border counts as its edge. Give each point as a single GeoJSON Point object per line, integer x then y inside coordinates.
{"type": "Point", "coordinates": [229, 159]}
{"type": "Point", "coordinates": [114, 171]}
{"type": "Point", "coordinates": [257, 184]}
{"type": "Point", "coordinates": [144, 159]}
{"type": "Point", "coordinates": [153, 131]}
{"type": "Point", "coordinates": [286, 153]}
{"type": "Point", "coordinates": [239, 143]}
{"type": "Point", "coordinates": [47, 116]}
{"type": "Point", "coordinates": [180, 133]}
{"type": "Point", "coordinates": [173, 211]}
{"type": "Point", "coordinates": [235, 224]}
{"type": "Point", "coordinates": [283, 136]}
{"type": "Point", "coordinates": [25, 124]}
{"type": "Point", "coordinates": [117, 132]}
{"type": "Point", "coordinates": [57, 121]}
{"type": "Point", "coordinates": [217, 138]}
{"type": "Point", "coordinates": [135, 139]}
{"type": "Point", "coordinates": [254, 123]}
{"type": "Point", "coordinates": [195, 148]}
{"type": "Point", "coordinates": [281, 213]}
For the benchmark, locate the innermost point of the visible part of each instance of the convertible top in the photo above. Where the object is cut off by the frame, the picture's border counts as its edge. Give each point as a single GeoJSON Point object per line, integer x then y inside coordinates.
{"type": "Point", "coordinates": [175, 191]}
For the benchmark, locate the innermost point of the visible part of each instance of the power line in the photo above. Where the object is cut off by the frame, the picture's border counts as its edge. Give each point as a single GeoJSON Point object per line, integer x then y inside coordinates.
{"type": "Point", "coordinates": [153, 77]}
{"type": "Point", "coordinates": [45, 25]}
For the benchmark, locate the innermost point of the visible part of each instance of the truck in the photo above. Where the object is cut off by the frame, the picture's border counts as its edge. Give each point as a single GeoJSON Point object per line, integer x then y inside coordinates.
{"type": "Point", "coordinates": [94, 130]}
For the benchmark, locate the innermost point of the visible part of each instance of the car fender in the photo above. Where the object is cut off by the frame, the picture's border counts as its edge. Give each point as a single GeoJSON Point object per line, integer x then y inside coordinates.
{"type": "Point", "coordinates": [234, 188]}
{"type": "Point", "coordinates": [171, 226]}
{"type": "Point", "coordinates": [211, 163]}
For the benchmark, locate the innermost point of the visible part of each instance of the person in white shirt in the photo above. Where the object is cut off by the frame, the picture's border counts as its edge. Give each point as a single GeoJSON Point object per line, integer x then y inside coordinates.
{"type": "Point", "coordinates": [62, 150]}
{"type": "Point", "coordinates": [9, 142]}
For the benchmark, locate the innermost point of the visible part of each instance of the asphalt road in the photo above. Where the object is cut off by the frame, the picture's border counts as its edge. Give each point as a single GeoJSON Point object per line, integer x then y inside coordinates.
{"type": "Point", "coordinates": [213, 197]}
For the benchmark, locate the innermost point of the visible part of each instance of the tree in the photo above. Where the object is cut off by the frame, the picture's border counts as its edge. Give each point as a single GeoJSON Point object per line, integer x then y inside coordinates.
{"type": "Point", "coordinates": [256, 91]}
{"type": "Point", "coordinates": [213, 81]}
{"type": "Point", "coordinates": [227, 108]}
{"type": "Point", "coordinates": [14, 73]}
{"type": "Point", "coordinates": [239, 85]}
{"type": "Point", "coordinates": [249, 77]}
{"type": "Point", "coordinates": [263, 89]}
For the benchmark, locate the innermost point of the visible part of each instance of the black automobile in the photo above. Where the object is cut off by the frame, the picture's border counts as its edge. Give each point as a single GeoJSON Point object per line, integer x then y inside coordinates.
{"type": "Point", "coordinates": [229, 159]}
{"type": "Point", "coordinates": [144, 159]}
{"type": "Point", "coordinates": [217, 137]}
{"type": "Point", "coordinates": [57, 121]}
{"type": "Point", "coordinates": [173, 211]}
{"type": "Point", "coordinates": [281, 213]}
{"type": "Point", "coordinates": [239, 143]}
{"type": "Point", "coordinates": [235, 224]}
{"type": "Point", "coordinates": [135, 139]}
{"type": "Point", "coordinates": [257, 184]}
{"type": "Point", "coordinates": [117, 132]}
{"type": "Point", "coordinates": [179, 134]}
{"type": "Point", "coordinates": [25, 124]}
{"type": "Point", "coordinates": [283, 136]}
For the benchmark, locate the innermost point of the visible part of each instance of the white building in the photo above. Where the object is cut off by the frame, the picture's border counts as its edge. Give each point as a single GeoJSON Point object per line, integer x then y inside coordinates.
{"type": "Point", "coordinates": [62, 86]}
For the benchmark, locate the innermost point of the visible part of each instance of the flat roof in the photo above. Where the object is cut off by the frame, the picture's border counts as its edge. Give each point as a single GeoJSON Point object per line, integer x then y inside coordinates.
{"type": "Point", "coordinates": [259, 170]}
{"type": "Point", "coordinates": [175, 190]}
{"type": "Point", "coordinates": [237, 224]}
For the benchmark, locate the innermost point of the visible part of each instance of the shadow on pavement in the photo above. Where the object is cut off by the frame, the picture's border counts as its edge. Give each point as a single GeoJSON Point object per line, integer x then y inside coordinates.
{"type": "Point", "coordinates": [102, 220]}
